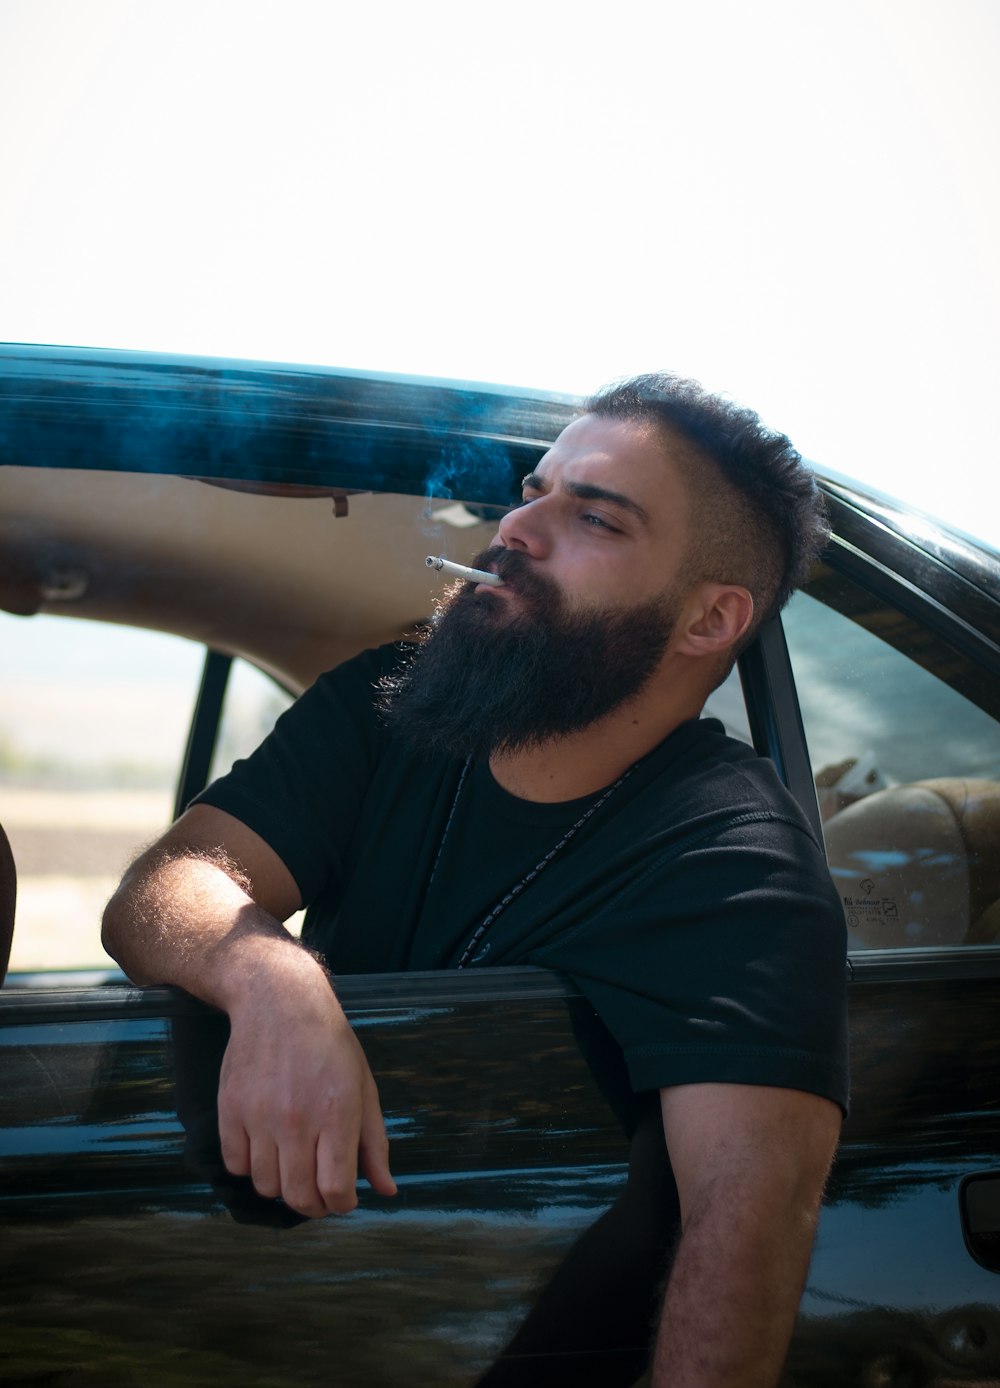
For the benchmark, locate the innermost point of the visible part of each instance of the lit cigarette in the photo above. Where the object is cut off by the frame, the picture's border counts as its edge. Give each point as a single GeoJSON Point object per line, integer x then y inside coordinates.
{"type": "Point", "coordinates": [461, 570]}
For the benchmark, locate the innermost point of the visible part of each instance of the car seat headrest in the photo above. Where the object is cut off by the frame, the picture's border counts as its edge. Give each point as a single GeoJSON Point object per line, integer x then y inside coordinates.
{"type": "Point", "coordinates": [8, 899]}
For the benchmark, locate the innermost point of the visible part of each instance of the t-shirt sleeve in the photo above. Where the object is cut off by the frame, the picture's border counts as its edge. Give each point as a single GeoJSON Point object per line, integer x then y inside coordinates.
{"type": "Point", "coordinates": [302, 789]}
{"type": "Point", "coordinates": [726, 964]}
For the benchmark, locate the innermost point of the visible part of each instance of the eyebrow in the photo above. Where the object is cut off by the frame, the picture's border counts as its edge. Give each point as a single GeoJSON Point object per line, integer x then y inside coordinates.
{"type": "Point", "coordinates": [586, 492]}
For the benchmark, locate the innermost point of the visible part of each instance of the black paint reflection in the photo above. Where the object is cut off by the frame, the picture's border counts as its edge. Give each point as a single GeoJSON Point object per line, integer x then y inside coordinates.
{"type": "Point", "coordinates": [594, 1320]}
{"type": "Point", "coordinates": [515, 1249]}
{"type": "Point", "coordinates": [897, 1349]}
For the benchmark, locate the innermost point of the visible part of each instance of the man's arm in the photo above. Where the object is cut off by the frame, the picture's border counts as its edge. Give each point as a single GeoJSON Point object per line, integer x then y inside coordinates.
{"type": "Point", "coordinates": [750, 1163]}
{"type": "Point", "coordinates": [298, 1107]}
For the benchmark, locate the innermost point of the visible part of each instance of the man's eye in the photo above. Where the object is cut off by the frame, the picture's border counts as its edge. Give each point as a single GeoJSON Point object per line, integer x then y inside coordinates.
{"type": "Point", "coordinates": [597, 522]}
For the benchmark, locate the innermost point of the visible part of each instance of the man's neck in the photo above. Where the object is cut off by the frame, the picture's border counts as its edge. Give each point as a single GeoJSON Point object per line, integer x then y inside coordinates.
{"type": "Point", "coordinates": [584, 762]}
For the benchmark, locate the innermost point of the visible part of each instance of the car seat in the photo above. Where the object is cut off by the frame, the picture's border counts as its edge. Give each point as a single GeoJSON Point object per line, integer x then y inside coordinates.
{"type": "Point", "coordinates": [8, 896]}
{"type": "Point", "coordinates": [919, 864]}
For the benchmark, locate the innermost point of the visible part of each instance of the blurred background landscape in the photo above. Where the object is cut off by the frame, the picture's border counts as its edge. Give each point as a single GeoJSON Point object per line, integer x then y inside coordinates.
{"type": "Point", "coordinates": [91, 725]}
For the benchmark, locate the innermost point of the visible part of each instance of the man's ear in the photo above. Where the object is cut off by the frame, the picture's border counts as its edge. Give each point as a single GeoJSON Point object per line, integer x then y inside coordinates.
{"type": "Point", "coordinates": [715, 617]}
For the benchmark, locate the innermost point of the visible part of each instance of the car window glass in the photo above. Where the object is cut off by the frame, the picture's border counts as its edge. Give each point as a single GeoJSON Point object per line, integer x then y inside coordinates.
{"type": "Point", "coordinates": [727, 704]}
{"type": "Point", "coordinates": [252, 705]}
{"type": "Point", "coordinates": [904, 738]}
{"type": "Point", "coordinates": [93, 725]}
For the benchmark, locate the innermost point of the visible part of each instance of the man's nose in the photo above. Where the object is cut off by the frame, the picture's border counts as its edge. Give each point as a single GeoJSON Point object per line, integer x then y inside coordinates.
{"type": "Point", "coordinates": [525, 528]}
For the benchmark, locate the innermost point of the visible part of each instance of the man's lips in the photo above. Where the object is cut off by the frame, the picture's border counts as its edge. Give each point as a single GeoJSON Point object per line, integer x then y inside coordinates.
{"type": "Point", "coordinates": [508, 566]}
{"type": "Point", "coordinates": [518, 575]}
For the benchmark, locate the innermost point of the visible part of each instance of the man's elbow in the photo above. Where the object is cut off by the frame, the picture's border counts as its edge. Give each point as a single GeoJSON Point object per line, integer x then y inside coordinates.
{"type": "Point", "coordinates": [113, 937]}
{"type": "Point", "coordinates": [121, 924]}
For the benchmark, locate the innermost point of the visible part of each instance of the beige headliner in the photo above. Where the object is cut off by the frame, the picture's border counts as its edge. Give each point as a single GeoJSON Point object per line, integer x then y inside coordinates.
{"type": "Point", "coordinates": [278, 579]}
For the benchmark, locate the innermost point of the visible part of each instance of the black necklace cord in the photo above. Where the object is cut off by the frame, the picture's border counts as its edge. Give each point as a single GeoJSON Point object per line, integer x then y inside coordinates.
{"type": "Point", "coordinates": [515, 891]}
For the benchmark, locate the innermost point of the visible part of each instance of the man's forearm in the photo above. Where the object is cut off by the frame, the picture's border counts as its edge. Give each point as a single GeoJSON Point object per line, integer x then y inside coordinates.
{"type": "Point", "coordinates": [732, 1298]}
{"type": "Point", "coordinates": [187, 921]}
{"type": "Point", "coordinates": [298, 1107]}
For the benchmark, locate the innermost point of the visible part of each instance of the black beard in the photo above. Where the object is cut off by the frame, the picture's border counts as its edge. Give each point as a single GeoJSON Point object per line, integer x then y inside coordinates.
{"type": "Point", "coordinates": [484, 680]}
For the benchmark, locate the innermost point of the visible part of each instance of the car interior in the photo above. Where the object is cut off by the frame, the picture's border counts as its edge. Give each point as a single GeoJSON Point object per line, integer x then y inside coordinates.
{"type": "Point", "coordinates": [295, 579]}
{"type": "Point", "coordinates": [936, 839]}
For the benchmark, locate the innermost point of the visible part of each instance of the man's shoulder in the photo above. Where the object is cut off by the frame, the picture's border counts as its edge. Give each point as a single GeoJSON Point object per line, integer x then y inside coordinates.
{"type": "Point", "coordinates": [353, 684]}
{"type": "Point", "coordinates": [367, 666]}
{"type": "Point", "coordinates": [701, 759]}
{"type": "Point", "coordinates": [701, 781]}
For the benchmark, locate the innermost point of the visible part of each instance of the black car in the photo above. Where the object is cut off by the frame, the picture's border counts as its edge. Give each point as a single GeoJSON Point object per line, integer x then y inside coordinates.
{"type": "Point", "coordinates": [274, 520]}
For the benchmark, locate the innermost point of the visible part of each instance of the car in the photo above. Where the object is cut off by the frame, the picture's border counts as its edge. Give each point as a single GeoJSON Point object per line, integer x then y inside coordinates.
{"type": "Point", "coordinates": [269, 521]}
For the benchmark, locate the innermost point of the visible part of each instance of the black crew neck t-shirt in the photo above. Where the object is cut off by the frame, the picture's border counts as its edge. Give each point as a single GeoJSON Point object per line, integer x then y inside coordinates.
{"type": "Point", "coordinates": [495, 846]}
{"type": "Point", "coordinates": [694, 908]}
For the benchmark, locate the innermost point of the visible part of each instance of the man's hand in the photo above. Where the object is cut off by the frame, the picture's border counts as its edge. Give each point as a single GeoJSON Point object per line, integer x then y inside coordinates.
{"type": "Point", "coordinates": [298, 1108]}
{"type": "Point", "coordinates": [750, 1163]}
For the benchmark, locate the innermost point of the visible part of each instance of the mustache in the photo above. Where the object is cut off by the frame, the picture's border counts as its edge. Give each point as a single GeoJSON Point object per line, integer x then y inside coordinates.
{"type": "Point", "coordinates": [517, 570]}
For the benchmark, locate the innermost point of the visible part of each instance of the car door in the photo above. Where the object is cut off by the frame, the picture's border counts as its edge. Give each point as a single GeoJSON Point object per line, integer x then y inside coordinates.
{"type": "Point", "coordinates": [894, 655]}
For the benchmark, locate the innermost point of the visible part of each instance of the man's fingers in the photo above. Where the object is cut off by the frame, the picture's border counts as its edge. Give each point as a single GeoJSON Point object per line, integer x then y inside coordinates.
{"type": "Point", "coordinates": [337, 1170]}
{"type": "Point", "coordinates": [298, 1108]}
{"type": "Point", "coordinates": [299, 1185]}
{"type": "Point", "coordinates": [286, 1169]}
{"type": "Point", "coordinates": [234, 1144]}
{"type": "Point", "coordinates": [373, 1148]}
{"type": "Point", "coordinates": [264, 1170]}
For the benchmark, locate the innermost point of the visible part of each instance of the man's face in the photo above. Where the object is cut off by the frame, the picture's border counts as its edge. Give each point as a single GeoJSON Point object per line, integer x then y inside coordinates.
{"type": "Point", "coordinates": [605, 517]}
{"type": "Point", "coordinates": [585, 612]}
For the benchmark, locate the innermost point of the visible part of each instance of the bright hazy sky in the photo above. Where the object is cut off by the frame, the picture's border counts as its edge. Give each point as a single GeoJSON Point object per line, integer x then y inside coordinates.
{"type": "Point", "coordinates": [794, 200]}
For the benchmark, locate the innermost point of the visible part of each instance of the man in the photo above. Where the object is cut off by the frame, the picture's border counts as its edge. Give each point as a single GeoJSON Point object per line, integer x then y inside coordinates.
{"type": "Point", "coordinates": [536, 787]}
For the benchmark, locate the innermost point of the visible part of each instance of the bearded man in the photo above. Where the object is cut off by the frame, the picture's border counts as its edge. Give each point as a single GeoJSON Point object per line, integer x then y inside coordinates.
{"type": "Point", "coordinates": [533, 784]}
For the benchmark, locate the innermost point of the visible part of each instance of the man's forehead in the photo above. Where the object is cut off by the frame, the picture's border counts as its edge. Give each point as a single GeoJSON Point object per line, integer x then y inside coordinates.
{"type": "Point", "coordinates": [599, 436]}
{"type": "Point", "coordinates": [621, 448]}
{"type": "Point", "coordinates": [619, 461]}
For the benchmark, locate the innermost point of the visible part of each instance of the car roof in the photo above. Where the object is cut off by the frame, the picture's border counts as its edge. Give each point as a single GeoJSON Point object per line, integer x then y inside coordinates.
{"type": "Point", "coordinates": [283, 512]}
{"type": "Point", "coordinates": [277, 512]}
{"type": "Point", "coordinates": [270, 423]}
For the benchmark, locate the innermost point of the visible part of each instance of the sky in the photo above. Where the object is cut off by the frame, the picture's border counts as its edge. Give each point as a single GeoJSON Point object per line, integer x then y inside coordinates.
{"type": "Point", "coordinates": [794, 201]}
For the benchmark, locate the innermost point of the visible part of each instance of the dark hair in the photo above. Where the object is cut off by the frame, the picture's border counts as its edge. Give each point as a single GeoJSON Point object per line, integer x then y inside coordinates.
{"type": "Point", "coordinates": [758, 517]}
